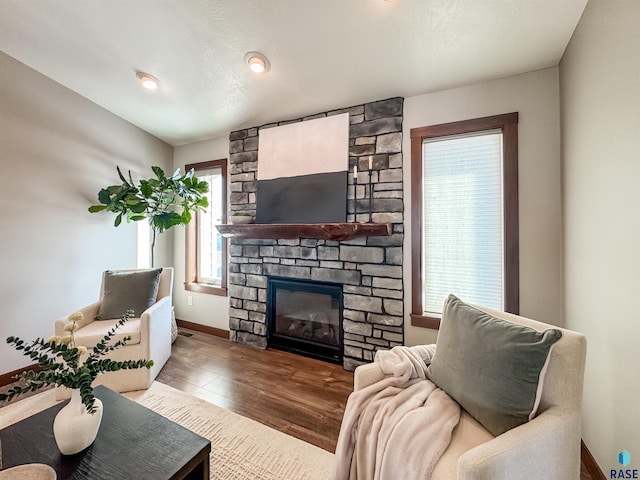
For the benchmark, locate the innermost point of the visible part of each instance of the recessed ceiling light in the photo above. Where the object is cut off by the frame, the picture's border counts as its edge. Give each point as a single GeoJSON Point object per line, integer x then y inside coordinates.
{"type": "Point", "coordinates": [148, 81]}
{"type": "Point", "coordinates": [257, 62]}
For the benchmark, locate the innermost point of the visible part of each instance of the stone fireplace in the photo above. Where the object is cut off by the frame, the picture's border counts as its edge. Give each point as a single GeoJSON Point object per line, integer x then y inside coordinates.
{"type": "Point", "coordinates": [367, 269]}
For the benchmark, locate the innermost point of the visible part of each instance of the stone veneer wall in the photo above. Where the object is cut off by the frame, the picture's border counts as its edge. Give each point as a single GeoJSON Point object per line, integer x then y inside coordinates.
{"type": "Point", "coordinates": [369, 268]}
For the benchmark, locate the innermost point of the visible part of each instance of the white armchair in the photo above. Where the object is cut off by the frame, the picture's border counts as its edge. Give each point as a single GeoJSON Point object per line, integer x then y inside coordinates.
{"type": "Point", "coordinates": [150, 338]}
{"type": "Point", "coordinates": [545, 448]}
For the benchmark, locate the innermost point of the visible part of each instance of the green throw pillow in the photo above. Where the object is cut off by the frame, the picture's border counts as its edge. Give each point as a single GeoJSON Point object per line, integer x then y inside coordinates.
{"type": "Point", "coordinates": [491, 367]}
{"type": "Point", "coordinates": [134, 290]}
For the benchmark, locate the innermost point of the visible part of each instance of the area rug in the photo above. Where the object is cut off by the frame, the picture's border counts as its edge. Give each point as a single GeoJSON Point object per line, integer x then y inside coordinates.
{"type": "Point", "coordinates": [241, 449]}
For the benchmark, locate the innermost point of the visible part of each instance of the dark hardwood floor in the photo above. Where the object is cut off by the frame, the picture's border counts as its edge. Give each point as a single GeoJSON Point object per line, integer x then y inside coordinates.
{"type": "Point", "coordinates": [299, 396]}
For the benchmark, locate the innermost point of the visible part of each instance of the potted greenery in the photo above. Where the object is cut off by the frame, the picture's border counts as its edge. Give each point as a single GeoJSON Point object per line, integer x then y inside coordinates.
{"type": "Point", "coordinates": [62, 363]}
{"type": "Point", "coordinates": [241, 217]}
{"type": "Point", "coordinates": [164, 201]}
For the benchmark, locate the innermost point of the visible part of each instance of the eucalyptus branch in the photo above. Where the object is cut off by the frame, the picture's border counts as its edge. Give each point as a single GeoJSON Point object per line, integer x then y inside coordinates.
{"type": "Point", "coordinates": [102, 346]}
{"type": "Point", "coordinates": [59, 362]}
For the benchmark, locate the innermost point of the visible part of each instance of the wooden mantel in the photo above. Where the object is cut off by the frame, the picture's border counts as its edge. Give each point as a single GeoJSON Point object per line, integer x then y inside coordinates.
{"type": "Point", "coordinates": [325, 231]}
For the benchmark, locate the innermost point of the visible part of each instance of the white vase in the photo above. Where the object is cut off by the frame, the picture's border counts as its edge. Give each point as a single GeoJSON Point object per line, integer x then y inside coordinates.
{"type": "Point", "coordinates": [74, 428]}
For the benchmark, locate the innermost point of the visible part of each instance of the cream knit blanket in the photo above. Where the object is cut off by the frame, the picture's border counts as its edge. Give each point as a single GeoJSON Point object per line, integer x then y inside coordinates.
{"type": "Point", "coordinates": [397, 427]}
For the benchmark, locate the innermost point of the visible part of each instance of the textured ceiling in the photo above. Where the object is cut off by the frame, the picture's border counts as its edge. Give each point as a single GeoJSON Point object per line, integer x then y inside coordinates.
{"type": "Point", "coordinates": [324, 53]}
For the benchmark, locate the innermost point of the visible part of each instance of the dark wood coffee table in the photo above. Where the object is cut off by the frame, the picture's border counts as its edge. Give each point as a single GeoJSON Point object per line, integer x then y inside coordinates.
{"type": "Point", "coordinates": [133, 443]}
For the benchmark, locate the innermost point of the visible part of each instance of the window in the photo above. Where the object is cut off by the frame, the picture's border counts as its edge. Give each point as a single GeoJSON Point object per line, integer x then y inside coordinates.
{"type": "Point", "coordinates": [464, 196]}
{"type": "Point", "coordinates": [206, 249]}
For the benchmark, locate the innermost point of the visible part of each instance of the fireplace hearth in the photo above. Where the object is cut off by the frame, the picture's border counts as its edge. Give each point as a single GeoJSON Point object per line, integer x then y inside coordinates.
{"type": "Point", "coordinates": [305, 318]}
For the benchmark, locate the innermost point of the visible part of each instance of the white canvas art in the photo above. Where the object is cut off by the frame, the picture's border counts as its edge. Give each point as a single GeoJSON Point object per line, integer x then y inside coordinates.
{"type": "Point", "coordinates": [304, 148]}
{"type": "Point", "coordinates": [302, 172]}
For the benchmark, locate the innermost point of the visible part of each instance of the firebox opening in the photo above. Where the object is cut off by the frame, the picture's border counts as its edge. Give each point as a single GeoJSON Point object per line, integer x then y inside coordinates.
{"type": "Point", "coordinates": [305, 317]}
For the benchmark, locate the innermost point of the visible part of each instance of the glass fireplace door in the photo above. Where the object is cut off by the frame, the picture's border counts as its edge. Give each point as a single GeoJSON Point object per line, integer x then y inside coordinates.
{"type": "Point", "coordinates": [306, 318]}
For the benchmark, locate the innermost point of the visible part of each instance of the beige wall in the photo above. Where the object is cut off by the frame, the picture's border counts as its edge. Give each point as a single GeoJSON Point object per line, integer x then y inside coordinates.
{"type": "Point", "coordinates": [57, 149]}
{"type": "Point", "coordinates": [600, 90]}
{"type": "Point", "coordinates": [535, 96]}
{"type": "Point", "coordinates": [210, 310]}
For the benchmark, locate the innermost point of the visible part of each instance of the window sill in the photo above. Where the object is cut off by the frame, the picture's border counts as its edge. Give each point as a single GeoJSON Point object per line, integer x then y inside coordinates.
{"type": "Point", "coordinates": [425, 321]}
{"type": "Point", "coordinates": [205, 288]}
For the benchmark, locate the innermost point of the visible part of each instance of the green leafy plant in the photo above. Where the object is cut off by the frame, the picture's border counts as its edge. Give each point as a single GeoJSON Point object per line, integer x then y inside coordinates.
{"type": "Point", "coordinates": [59, 362]}
{"type": "Point", "coordinates": [165, 201]}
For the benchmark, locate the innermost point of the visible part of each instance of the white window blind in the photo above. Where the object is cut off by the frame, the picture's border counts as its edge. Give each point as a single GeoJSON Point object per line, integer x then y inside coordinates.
{"type": "Point", "coordinates": [209, 241]}
{"type": "Point", "coordinates": [462, 220]}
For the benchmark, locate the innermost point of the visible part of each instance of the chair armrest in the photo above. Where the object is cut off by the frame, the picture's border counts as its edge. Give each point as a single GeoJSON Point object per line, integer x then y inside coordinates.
{"type": "Point", "coordinates": [155, 334]}
{"type": "Point", "coordinates": [547, 447]}
{"type": "Point", "coordinates": [89, 313]}
{"type": "Point", "coordinates": [366, 375]}
{"type": "Point", "coordinates": [159, 309]}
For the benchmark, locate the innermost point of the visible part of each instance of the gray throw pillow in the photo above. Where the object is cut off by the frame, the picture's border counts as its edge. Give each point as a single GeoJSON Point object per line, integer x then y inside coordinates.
{"type": "Point", "coordinates": [491, 367]}
{"type": "Point", "coordinates": [134, 290]}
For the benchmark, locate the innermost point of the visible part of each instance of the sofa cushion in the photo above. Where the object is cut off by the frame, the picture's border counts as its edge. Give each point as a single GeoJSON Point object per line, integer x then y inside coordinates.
{"type": "Point", "coordinates": [491, 367]}
{"type": "Point", "coordinates": [128, 290]}
{"type": "Point", "coordinates": [466, 435]}
{"type": "Point", "coordinates": [92, 333]}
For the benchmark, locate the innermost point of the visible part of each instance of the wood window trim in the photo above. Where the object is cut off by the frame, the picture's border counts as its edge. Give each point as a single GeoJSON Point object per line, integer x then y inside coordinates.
{"type": "Point", "coordinates": [191, 234]}
{"type": "Point", "coordinates": [508, 123]}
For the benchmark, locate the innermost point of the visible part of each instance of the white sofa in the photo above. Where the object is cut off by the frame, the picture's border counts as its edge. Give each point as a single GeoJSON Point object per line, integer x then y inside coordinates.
{"type": "Point", "coordinates": [546, 448]}
{"type": "Point", "coordinates": [151, 338]}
